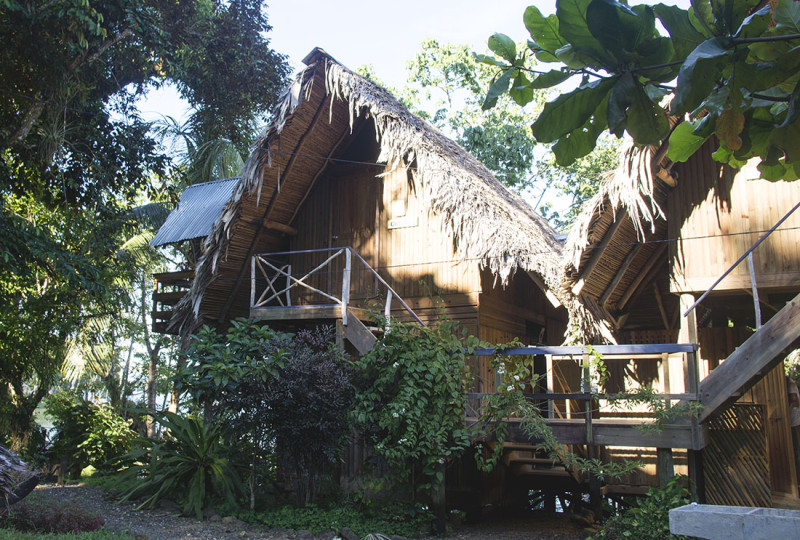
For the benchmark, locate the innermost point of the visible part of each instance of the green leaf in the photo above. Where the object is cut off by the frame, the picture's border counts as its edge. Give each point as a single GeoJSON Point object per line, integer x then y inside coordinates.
{"type": "Point", "coordinates": [701, 17]}
{"type": "Point", "coordinates": [503, 46]}
{"type": "Point", "coordinates": [683, 143]}
{"type": "Point", "coordinates": [580, 142]}
{"type": "Point", "coordinates": [685, 38]}
{"type": "Point", "coordinates": [619, 28]}
{"type": "Point", "coordinates": [787, 17]}
{"type": "Point", "coordinates": [574, 58]}
{"type": "Point", "coordinates": [570, 111]}
{"type": "Point", "coordinates": [773, 173]}
{"type": "Point", "coordinates": [619, 99]}
{"type": "Point", "coordinates": [544, 31]}
{"type": "Point", "coordinates": [574, 28]}
{"type": "Point", "coordinates": [521, 90]}
{"type": "Point", "coordinates": [755, 24]}
{"type": "Point", "coordinates": [549, 79]}
{"type": "Point", "coordinates": [489, 60]}
{"type": "Point", "coordinates": [647, 121]}
{"type": "Point", "coordinates": [699, 74]}
{"type": "Point", "coordinates": [498, 87]}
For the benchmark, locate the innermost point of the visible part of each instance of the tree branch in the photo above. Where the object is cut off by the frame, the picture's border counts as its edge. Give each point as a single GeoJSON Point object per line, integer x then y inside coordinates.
{"type": "Point", "coordinates": [764, 39]}
{"type": "Point", "coordinates": [37, 108]}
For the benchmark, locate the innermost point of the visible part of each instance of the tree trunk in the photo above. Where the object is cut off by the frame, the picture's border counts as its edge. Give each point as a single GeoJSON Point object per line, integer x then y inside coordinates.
{"type": "Point", "coordinates": [152, 366]}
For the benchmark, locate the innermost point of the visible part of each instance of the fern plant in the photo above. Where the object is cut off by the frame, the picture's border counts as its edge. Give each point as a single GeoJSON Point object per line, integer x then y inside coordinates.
{"type": "Point", "coordinates": [187, 465]}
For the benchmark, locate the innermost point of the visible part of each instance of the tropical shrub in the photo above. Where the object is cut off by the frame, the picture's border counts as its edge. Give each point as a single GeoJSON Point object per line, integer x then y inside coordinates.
{"type": "Point", "coordinates": [648, 519]}
{"type": "Point", "coordinates": [335, 518]}
{"type": "Point", "coordinates": [410, 399]}
{"type": "Point", "coordinates": [275, 393]}
{"type": "Point", "coordinates": [87, 433]}
{"type": "Point", "coordinates": [188, 465]}
{"type": "Point", "coordinates": [45, 515]}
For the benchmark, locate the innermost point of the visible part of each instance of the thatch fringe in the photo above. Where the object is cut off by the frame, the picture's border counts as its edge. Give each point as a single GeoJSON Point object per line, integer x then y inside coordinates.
{"type": "Point", "coordinates": [629, 187]}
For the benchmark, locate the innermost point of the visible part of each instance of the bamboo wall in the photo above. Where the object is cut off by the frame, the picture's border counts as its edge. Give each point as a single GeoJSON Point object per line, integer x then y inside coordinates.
{"type": "Point", "coordinates": [719, 213]}
{"type": "Point", "coordinates": [383, 219]}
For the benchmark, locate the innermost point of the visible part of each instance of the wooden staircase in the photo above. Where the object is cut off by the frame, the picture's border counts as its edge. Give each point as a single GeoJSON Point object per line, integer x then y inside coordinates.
{"type": "Point", "coordinates": [357, 333]}
{"type": "Point", "coordinates": [747, 364]}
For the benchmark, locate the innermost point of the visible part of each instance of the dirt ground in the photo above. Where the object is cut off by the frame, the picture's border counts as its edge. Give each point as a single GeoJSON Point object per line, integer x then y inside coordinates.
{"type": "Point", "coordinates": [164, 524]}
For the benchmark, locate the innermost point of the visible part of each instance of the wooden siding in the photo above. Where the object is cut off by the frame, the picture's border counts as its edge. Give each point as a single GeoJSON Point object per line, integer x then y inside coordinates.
{"type": "Point", "coordinates": [383, 219]}
{"type": "Point", "coordinates": [718, 213]}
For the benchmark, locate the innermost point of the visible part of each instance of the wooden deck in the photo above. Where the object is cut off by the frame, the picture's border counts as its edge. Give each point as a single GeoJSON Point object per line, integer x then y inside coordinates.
{"type": "Point", "coordinates": [302, 313]}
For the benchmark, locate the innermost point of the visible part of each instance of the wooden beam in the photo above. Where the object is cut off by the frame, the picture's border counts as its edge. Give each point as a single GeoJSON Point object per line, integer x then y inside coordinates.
{"type": "Point", "coordinates": [552, 298]}
{"type": "Point", "coordinates": [661, 309]}
{"type": "Point", "coordinates": [276, 226]}
{"type": "Point", "coordinates": [620, 273]}
{"type": "Point", "coordinates": [268, 210]}
{"type": "Point", "coordinates": [665, 176]}
{"type": "Point", "coordinates": [759, 353]}
{"type": "Point", "coordinates": [687, 332]}
{"type": "Point", "coordinates": [598, 252]}
{"type": "Point", "coordinates": [359, 335]}
{"type": "Point", "coordinates": [642, 274]}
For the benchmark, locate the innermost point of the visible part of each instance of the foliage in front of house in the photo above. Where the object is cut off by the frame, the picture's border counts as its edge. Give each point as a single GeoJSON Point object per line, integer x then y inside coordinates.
{"type": "Point", "coordinates": [87, 433]}
{"type": "Point", "coordinates": [189, 465]}
{"type": "Point", "coordinates": [411, 399]}
{"type": "Point", "coordinates": [274, 393]}
{"type": "Point", "coordinates": [648, 519]}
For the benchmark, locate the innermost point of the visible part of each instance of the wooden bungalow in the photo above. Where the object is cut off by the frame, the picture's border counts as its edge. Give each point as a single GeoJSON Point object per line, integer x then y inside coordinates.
{"type": "Point", "coordinates": [349, 205]}
{"type": "Point", "coordinates": [656, 237]}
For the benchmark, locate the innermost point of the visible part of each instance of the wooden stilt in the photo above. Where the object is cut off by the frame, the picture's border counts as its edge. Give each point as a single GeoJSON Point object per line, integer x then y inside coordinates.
{"type": "Point", "coordinates": [697, 484]}
{"type": "Point", "coordinates": [665, 466]}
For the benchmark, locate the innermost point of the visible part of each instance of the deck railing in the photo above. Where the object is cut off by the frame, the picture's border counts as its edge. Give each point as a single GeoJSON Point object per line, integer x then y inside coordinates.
{"type": "Point", "coordinates": [273, 270]}
{"type": "Point", "coordinates": [665, 357]}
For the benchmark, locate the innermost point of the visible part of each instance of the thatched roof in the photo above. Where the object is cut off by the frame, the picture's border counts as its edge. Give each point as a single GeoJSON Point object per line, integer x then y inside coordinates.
{"type": "Point", "coordinates": [621, 230]}
{"type": "Point", "coordinates": [322, 107]}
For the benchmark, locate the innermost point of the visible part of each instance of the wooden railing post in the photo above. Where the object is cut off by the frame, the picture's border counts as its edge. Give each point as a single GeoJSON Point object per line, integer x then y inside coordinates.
{"type": "Point", "coordinates": [346, 285]}
{"type": "Point", "coordinates": [288, 284]}
{"type": "Point", "coordinates": [756, 304]}
{"type": "Point", "coordinates": [587, 390]}
{"type": "Point", "coordinates": [387, 310]}
{"type": "Point", "coordinates": [252, 281]}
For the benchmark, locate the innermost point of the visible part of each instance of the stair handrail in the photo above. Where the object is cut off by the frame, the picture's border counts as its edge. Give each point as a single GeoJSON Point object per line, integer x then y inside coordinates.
{"type": "Point", "coordinates": [742, 258]}
{"type": "Point", "coordinates": [344, 301]}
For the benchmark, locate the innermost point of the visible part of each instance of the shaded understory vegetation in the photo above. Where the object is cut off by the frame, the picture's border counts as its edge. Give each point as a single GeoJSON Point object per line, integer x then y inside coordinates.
{"type": "Point", "coordinates": [269, 420]}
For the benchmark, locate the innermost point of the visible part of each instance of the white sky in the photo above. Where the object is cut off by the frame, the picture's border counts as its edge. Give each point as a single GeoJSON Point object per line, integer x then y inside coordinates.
{"type": "Point", "coordinates": [385, 34]}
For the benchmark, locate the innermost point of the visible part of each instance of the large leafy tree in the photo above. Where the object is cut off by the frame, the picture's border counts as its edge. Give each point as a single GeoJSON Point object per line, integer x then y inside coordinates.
{"type": "Point", "coordinates": [75, 155]}
{"type": "Point", "coordinates": [730, 65]}
{"type": "Point", "coordinates": [447, 85]}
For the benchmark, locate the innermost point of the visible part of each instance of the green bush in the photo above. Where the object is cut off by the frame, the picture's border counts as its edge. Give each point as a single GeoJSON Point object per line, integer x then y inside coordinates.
{"type": "Point", "coordinates": [411, 398]}
{"type": "Point", "coordinates": [277, 395]}
{"type": "Point", "coordinates": [45, 515]}
{"type": "Point", "coordinates": [87, 433]}
{"type": "Point", "coordinates": [188, 466]}
{"type": "Point", "coordinates": [649, 518]}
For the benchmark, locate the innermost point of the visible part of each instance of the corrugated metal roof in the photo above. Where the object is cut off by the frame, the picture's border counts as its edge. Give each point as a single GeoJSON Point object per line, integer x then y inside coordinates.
{"type": "Point", "coordinates": [198, 209]}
